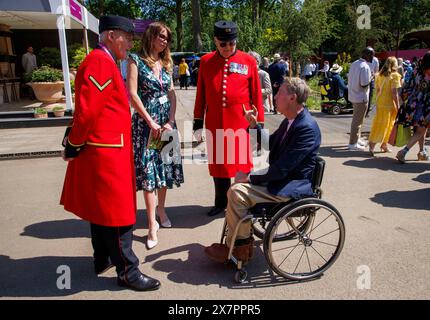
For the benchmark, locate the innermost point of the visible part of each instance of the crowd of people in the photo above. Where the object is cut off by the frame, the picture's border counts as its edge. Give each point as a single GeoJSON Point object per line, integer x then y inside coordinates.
{"type": "Point", "coordinates": [402, 98]}
{"type": "Point", "coordinates": [112, 154]}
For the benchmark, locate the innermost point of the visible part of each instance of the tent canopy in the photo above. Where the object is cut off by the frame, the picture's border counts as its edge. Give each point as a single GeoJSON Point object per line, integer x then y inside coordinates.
{"type": "Point", "coordinates": [51, 14]}
{"type": "Point", "coordinates": [42, 14]}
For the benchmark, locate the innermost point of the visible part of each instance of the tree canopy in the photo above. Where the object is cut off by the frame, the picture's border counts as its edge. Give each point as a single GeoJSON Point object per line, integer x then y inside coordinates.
{"type": "Point", "coordinates": [298, 28]}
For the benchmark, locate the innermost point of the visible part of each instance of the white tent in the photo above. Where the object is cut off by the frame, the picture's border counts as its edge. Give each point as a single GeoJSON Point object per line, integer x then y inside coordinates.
{"type": "Point", "coordinates": [50, 14]}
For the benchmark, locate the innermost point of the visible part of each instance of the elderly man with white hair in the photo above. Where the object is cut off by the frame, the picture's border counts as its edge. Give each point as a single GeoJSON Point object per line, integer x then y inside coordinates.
{"type": "Point", "coordinates": [266, 85]}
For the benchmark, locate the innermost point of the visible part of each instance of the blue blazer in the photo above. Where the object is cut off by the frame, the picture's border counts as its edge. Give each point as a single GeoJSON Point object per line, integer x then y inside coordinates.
{"type": "Point", "coordinates": [292, 159]}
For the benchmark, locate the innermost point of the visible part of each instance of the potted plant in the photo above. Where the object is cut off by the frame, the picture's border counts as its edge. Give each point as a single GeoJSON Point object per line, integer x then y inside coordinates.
{"type": "Point", "coordinates": [59, 111]}
{"type": "Point", "coordinates": [47, 84]}
{"type": "Point", "coordinates": [40, 113]}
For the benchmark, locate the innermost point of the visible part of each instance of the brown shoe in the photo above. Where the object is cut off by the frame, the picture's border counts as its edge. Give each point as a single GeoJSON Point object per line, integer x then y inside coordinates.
{"type": "Point", "coordinates": [244, 252]}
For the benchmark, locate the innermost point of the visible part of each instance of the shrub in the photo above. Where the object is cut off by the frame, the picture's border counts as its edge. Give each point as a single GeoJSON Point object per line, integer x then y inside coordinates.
{"type": "Point", "coordinates": [40, 111]}
{"type": "Point", "coordinates": [50, 57]}
{"type": "Point", "coordinates": [46, 74]}
{"type": "Point", "coordinates": [77, 54]}
{"type": "Point", "coordinates": [58, 108]}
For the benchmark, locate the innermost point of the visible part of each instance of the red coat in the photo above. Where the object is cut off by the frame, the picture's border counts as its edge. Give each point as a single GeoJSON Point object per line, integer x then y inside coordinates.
{"type": "Point", "coordinates": [100, 182]}
{"type": "Point", "coordinates": [224, 87]}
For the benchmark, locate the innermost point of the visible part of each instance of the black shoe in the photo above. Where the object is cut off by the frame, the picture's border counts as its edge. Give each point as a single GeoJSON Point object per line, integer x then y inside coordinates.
{"type": "Point", "coordinates": [143, 283]}
{"type": "Point", "coordinates": [215, 210]}
{"type": "Point", "coordinates": [100, 268]}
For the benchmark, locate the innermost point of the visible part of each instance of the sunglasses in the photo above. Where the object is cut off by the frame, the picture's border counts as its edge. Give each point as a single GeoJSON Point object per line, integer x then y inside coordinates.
{"type": "Point", "coordinates": [163, 37]}
{"type": "Point", "coordinates": [230, 43]}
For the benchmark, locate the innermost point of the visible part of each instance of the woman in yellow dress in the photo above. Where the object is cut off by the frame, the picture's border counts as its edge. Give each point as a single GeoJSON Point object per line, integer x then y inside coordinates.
{"type": "Point", "coordinates": [387, 83]}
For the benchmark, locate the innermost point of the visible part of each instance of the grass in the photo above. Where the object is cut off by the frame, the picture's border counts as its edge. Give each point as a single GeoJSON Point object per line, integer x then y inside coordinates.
{"type": "Point", "coordinates": [314, 100]}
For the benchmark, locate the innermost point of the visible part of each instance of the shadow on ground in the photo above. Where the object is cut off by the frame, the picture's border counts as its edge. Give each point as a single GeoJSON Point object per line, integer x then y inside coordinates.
{"type": "Point", "coordinates": [414, 199]}
{"type": "Point", "coordinates": [187, 217]}
{"type": "Point", "coordinates": [198, 269]}
{"type": "Point", "coordinates": [182, 217]}
{"type": "Point", "coordinates": [37, 277]}
{"type": "Point", "coordinates": [383, 161]}
{"type": "Point", "coordinates": [423, 178]}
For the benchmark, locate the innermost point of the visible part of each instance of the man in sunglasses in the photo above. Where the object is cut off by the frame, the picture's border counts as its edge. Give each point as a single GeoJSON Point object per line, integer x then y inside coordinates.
{"type": "Point", "coordinates": [228, 83]}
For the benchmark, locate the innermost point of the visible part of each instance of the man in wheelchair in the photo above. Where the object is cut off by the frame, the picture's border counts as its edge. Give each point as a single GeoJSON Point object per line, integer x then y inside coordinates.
{"type": "Point", "coordinates": [293, 151]}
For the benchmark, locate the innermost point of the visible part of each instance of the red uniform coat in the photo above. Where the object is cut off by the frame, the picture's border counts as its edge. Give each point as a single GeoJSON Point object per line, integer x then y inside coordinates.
{"type": "Point", "coordinates": [100, 182]}
{"type": "Point", "coordinates": [224, 87]}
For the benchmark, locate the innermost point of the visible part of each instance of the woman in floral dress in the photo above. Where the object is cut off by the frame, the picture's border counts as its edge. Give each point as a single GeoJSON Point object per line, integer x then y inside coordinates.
{"type": "Point", "coordinates": [415, 110]}
{"type": "Point", "coordinates": [152, 96]}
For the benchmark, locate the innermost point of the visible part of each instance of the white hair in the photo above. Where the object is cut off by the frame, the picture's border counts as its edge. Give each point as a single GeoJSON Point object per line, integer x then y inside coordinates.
{"type": "Point", "coordinates": [256, 56]}
{"type": "Point", "coordinates": [103, 36]}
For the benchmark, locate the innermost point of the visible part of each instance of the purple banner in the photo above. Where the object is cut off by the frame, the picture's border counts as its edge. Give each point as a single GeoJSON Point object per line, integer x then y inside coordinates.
{"type": "Point", "coordinates": [75, 10]}
{"type": "Point", "coordinates": [140, 25]}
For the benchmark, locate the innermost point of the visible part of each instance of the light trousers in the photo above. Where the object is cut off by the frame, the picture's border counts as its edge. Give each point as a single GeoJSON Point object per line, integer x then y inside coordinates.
{"type": "Point", "coordinates": [241, 197]}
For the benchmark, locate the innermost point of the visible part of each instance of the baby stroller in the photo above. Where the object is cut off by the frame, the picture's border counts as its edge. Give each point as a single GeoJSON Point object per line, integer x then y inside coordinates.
{"type": "Point", "coordinates": [331, 101]}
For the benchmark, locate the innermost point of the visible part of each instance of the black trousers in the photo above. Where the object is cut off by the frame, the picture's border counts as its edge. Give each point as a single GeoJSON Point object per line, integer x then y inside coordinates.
{"type": "Point", "coordinates": [221, 187]}
{"type": "Point", "coordinates": [115, 243]}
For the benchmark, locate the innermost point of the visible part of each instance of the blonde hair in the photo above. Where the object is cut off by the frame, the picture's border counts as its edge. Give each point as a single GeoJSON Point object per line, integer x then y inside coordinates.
{"type": "Point", "coordinates": [389, 67]}
{"type": "Point", "coordinates": [148, 37]}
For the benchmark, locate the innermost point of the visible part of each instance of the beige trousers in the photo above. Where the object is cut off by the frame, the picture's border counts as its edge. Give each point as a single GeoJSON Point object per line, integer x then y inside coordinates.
{"type": "Point", "coordinates": [241, 197]}
{"type": "Point", "coordinates": [357, 121]}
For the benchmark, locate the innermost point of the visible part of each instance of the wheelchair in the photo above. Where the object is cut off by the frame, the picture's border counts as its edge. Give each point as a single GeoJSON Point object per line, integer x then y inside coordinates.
{"type": "Point", "coordinates": [301, 238]}
{"type": "Point", "coordinates": [335, 104]}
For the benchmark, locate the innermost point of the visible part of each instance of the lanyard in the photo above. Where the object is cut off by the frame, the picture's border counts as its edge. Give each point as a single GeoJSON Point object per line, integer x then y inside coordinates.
{"type": "Point", "coordinates": [105, 49]}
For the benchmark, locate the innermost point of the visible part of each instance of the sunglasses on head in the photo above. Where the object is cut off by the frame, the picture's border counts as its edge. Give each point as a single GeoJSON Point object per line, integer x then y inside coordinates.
{"type": "Point", "coordinates": [223, 44]}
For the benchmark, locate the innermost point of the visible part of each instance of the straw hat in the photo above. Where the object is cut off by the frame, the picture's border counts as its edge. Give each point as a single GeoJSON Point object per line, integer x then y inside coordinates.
{"type": "Point", "coordinates": [336, 68]}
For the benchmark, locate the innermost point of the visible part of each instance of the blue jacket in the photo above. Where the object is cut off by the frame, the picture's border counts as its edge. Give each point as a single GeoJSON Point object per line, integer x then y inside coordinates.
{"type": "Point", "coordinates": [291, 161]}
{"type": "Point", "coordinates": [339, 84]}
{"type": "Point", "coordinates": [277, 72]}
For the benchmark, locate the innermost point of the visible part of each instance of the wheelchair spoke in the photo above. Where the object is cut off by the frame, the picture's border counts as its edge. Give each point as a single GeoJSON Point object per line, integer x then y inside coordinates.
{"type": "Point", "coordinates": [288, 255]}
{"type": "Point", "coordinates": [326, 234]}
{"type": "Point", "coordinates": [299, 260]}
{"type": "Point", "coordinates": [319, 254]}
{"type": "Point", "coordinates": [298, 244]}
{"type": "Point", "coordinates": [319, 224]}
{"type": "Point", "coordinates": [309, 262]}
{"type": "Point", "coordinates": [329, 244]}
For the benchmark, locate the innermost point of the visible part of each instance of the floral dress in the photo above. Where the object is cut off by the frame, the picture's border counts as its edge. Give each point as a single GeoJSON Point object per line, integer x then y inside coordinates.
{"type": "Point", "coordinates": [415, 110]}
{"type": "Point", "coordinates": [155, 168]}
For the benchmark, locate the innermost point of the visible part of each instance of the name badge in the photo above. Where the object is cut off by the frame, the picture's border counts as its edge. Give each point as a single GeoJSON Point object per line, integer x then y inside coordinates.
{"type": "Point", "coordinates": [239, 68]}
{"type": "Point", "coordinates": [163, 99]}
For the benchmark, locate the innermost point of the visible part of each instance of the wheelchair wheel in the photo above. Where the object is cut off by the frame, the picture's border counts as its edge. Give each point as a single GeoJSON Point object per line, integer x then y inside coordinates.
{"type": "Point", "coordinates": [335, 110]}
{"type": "Point", "coordinates": [316, 243]}
{"type": "Point", "coordinates": [259, 226]}
{"type": "Point", "coordinates": [240, 276]}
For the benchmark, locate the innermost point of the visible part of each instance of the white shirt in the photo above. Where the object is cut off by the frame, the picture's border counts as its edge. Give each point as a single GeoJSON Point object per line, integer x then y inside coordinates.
{"type": "Point", "coordinates": [309, 69]}
{"type": "Point", "coordinates": [374, 66]}
{"type": "Point", "coordinates": [359, 78]}
{"type": "Point", "coordinates": [28, 62]}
